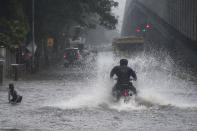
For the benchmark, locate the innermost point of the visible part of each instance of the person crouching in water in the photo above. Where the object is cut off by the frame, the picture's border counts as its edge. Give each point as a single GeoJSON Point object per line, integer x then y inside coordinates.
{"type": "Point", "coordinates": [16, 98]}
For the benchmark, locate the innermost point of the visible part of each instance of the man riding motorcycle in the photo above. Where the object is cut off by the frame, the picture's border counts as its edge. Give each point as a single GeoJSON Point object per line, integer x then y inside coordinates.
{"type": "Point", "coordinates": [123, 72]}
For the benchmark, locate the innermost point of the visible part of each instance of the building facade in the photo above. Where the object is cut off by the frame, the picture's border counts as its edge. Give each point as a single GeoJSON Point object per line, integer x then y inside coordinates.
{"type": "Point", "coordinates": [180, 14]}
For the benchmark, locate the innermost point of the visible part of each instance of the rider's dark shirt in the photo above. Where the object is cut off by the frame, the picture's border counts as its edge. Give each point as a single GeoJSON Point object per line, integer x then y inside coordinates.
{"type": "Point", "coordinates": [123, 73]}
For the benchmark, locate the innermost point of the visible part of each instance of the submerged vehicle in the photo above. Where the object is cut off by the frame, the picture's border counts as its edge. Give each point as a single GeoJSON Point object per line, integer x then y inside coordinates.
{"type": "Point", "coordinates": [124, 91]}
{"type": "Point", "coordinates": [71, 56]}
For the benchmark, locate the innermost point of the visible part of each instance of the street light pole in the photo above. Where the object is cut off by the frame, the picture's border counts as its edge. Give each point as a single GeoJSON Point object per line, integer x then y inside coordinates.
{"type": "Point", "coordinates": [33, 27]}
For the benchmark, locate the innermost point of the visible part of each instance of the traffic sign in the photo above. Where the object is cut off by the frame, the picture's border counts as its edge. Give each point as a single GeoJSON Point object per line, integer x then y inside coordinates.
{"type": "Point", "coordinates": [50, 42]}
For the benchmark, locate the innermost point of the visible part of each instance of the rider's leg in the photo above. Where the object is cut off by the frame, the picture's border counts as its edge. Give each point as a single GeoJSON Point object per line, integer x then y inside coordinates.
{"type": "Point", "coordinates": [133, 88]}
{"type": "Point", "coordinates": [116, 92]}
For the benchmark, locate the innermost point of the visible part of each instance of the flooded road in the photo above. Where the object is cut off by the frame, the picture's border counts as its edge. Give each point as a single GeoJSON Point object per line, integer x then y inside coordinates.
{"type": "Point", "coordinates": [79, 99]}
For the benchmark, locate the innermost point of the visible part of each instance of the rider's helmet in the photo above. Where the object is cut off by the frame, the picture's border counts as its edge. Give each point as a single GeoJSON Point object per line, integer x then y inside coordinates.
{"type": "Point", "coordinates": [123, 62]}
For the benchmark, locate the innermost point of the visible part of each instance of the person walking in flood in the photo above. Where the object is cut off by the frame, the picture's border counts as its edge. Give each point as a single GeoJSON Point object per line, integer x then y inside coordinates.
{"type": "Point", "coordinates": [13, 95]}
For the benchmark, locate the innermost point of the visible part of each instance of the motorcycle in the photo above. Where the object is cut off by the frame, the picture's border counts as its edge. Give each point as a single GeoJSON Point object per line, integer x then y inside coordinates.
{"type": "Point", "coordinates": [125, 91]}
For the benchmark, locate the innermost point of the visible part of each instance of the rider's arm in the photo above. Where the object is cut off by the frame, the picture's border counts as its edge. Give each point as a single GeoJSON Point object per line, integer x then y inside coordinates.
{"type": "Point", "coordinates": [112, 73]}
{"type": "Point", "coordinates": [133, 74]}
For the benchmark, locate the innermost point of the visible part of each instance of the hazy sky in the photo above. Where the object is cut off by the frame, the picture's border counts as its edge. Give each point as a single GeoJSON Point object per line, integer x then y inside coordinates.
{"type": "Point", "coordinates": [119, 11]}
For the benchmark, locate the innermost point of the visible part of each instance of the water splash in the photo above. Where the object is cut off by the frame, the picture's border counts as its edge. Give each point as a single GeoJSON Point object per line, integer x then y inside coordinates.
{"type": "Point", "coordinates": [156, 85]}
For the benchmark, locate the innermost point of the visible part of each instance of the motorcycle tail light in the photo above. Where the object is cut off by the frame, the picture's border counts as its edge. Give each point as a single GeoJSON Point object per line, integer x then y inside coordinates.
{"type": "Point", "coordinates": [65, 56]}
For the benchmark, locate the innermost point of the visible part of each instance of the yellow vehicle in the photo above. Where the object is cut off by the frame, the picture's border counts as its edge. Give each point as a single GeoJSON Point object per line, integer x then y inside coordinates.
{"type": "Point", "coordinates": [128, 45]}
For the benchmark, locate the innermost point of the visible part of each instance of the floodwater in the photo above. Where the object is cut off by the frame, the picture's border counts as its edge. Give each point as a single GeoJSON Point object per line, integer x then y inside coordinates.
{"type": "Point", "coordinates": [78, 99]}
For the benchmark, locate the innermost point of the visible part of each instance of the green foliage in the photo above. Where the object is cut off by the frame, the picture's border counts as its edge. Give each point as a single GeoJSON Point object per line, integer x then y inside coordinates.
{"type": "Point", "coordinates": [14, 33]}
{"type": "Point", "coordinates": [52, 16]}
{"type": "Point", "coordinates": [13, 26]}
{"type": "Point", "coordinates": [103, 9]}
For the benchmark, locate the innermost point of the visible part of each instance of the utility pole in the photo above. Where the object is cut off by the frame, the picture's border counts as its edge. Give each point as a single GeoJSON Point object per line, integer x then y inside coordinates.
{"type": "Point", "coordinates": [33, 31]}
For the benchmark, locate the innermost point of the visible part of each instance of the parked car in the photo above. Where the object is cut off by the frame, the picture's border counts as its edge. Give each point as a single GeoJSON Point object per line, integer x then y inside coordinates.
{"type": "Point", "coordinates": [71, 56]}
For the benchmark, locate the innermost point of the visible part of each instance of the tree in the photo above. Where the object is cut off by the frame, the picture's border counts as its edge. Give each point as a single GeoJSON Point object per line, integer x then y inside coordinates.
{"type": "Point", "coordinates": [52, 16]}
{"type": "Point", "coordinates": [55, 18]}
{"type": "Point", "coordinates": [12, 24]}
